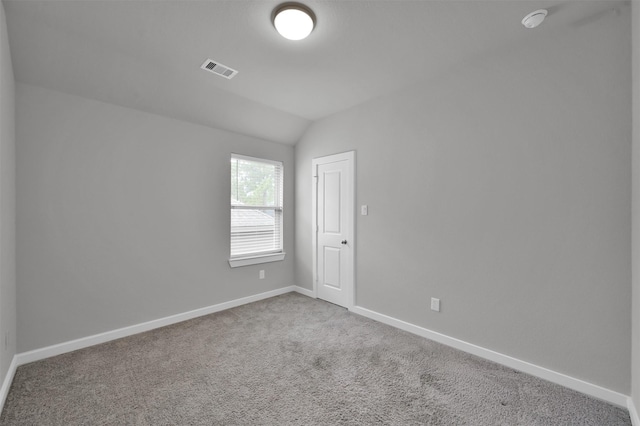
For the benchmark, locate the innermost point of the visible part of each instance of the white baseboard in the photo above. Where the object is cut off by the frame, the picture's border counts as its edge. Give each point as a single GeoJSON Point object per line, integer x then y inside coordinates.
{"type": "Point", "coordinates": [303, 291]}
{"type": "Point", "coordinates": [61, 348]}
{"type": "Point", "coordinates": [526, 367]}
{"type": "Point", "coordinates": [8, 379]}
{"type": "Point", "coordinates": [633, 413]}
{"type": "Point", "coordinates": [544, 373]}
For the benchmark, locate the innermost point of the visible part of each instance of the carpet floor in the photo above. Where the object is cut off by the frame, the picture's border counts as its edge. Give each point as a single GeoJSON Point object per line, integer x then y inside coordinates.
{"type": "Point", "coordinates": [288, 360]}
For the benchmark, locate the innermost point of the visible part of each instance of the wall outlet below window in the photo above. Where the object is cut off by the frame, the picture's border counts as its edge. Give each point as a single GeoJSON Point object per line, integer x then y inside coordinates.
{"type": "Point", "coordinates": [262, 274]}
{"type": "Point", "coordinates": [435, 304]}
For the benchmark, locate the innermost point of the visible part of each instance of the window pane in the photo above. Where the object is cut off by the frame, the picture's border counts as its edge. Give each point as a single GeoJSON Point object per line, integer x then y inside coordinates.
{"type": "Point", "coordinates": [254, 183]}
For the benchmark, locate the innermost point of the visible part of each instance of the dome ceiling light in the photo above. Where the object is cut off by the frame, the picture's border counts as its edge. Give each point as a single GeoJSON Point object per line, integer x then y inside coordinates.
{"type": "Point", "coordinates": [294, 21]}
{"type": "Point", "coordinates": [534, 19]}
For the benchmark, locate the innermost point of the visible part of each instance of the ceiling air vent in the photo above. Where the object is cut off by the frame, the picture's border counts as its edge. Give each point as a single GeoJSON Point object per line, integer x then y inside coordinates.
{"type": "Point", "coordinates": [219, 69]}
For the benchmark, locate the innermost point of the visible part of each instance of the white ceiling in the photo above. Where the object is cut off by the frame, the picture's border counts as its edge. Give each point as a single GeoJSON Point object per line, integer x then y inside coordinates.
{"type": "Point", "coordinates": [147, 54]}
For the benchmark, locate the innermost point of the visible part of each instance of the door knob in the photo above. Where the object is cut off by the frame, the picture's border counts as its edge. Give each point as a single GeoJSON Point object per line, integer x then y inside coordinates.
{"type": "Point", "coordinates": [344, 242]}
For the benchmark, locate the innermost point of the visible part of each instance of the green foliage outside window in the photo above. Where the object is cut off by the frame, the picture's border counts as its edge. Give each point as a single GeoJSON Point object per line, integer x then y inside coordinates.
{"type": "Point", "coordinates": [253, 183]}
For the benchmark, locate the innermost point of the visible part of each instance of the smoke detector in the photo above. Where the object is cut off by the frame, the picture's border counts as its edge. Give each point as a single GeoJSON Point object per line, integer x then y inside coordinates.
{"type": "Point", "coordinates": [534, 19]}
{"type": "Point", "coordinates": [219, 69]}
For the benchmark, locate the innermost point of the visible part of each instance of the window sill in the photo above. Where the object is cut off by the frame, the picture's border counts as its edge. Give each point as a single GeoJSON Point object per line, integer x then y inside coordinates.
{"type": "Point", "coordinates": [254, 260]}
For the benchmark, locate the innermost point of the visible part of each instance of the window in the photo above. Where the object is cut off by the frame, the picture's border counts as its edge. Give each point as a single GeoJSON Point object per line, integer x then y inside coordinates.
{"type": "Point", "coordinates": [256, 211]}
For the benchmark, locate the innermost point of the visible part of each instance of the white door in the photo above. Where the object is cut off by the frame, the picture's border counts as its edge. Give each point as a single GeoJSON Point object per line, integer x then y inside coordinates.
{"type": "Point", "coordinates": [334, 228]}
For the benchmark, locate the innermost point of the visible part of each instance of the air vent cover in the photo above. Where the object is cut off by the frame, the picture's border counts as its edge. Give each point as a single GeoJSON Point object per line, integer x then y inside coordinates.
{"type": "Point", "coordinates": [219, 69]}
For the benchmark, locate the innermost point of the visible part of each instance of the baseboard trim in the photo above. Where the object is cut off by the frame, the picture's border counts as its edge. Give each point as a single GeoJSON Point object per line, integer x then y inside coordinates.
{"type": "Point", "coordinates": [85, 342]}
{"type": "Point", "coordinates": [508, 361]}
{"type": "Point", "coordinates": [8, 379]}
{"type": "Point", "coordinates": [633, 413]}
{"type": "Point", "coordinates": [541, 372]}
{"type": "Point", "coordinates": [303, 291]}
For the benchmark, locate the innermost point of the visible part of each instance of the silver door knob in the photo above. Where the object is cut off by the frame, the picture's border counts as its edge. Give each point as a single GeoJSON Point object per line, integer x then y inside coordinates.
{"type": "Point", "coordinates": [344, 242]}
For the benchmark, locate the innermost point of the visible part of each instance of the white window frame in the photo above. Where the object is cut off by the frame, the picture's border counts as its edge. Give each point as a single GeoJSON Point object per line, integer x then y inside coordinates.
{"type": "Point", "coordinates": [257, 258]}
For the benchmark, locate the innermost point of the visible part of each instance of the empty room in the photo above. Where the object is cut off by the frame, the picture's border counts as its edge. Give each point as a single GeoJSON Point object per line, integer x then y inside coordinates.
{"type": "Point", "coordinates": [257, 212]}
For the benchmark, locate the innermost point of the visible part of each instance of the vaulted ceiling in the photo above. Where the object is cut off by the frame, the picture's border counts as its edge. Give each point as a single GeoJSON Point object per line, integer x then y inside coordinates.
{"type": "Point", "coordinates": [147, 54]}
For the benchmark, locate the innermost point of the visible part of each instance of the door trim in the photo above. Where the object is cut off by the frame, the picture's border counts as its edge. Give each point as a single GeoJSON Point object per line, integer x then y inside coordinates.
{"type": "Point", "coordinates": [350, 285]}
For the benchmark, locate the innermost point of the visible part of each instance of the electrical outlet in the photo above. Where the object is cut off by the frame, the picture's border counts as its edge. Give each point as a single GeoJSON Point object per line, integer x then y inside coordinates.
{"type": "Point", "coordinates": [262, 274]}
{"type": "Point", "coordinates": [364, 210]}
{"type": "Point", "coordinates": [435, 304]}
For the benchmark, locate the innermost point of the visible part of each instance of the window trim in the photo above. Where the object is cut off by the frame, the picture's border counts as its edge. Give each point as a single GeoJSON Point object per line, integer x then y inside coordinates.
{"type": "Point", "coordinates": [235, 262]}
{"type": "Point", "coordinates": [275, 256]}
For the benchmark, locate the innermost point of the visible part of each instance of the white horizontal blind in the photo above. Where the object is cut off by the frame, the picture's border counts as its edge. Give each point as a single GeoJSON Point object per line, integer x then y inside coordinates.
{"type": "Point", "coordinates": [256, 206]}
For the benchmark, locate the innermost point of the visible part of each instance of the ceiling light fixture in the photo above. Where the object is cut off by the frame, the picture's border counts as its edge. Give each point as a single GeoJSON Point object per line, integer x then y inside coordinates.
{"type": "Point", "coordinates": [534, 19]}
{"type": "Point", "coordinates": [294, 21]}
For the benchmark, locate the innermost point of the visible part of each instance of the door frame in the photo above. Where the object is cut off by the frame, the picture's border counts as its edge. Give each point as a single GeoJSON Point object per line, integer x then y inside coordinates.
{"type": "Point", "coordinates": [350, 284]}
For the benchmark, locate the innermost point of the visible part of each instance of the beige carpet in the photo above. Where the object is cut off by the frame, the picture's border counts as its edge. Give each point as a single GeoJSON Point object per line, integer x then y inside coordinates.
{"type": "Point", "coordinates": [289, 360]}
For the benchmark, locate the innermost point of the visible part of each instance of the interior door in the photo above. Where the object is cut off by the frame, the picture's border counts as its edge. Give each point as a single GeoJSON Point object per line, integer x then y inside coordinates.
{"type": "Point", "coordinates": [334, 242]}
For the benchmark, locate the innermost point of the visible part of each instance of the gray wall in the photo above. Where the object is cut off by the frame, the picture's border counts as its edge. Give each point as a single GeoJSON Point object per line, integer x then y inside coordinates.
{"type": "Point", "coordinates": [7, 203]}
{"type": "Point", "coordinates": [635, 360]}
{"type": "Point", "coordinates": [504, 189]}
{"type": "Point", "coordinates": [123, 217]}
